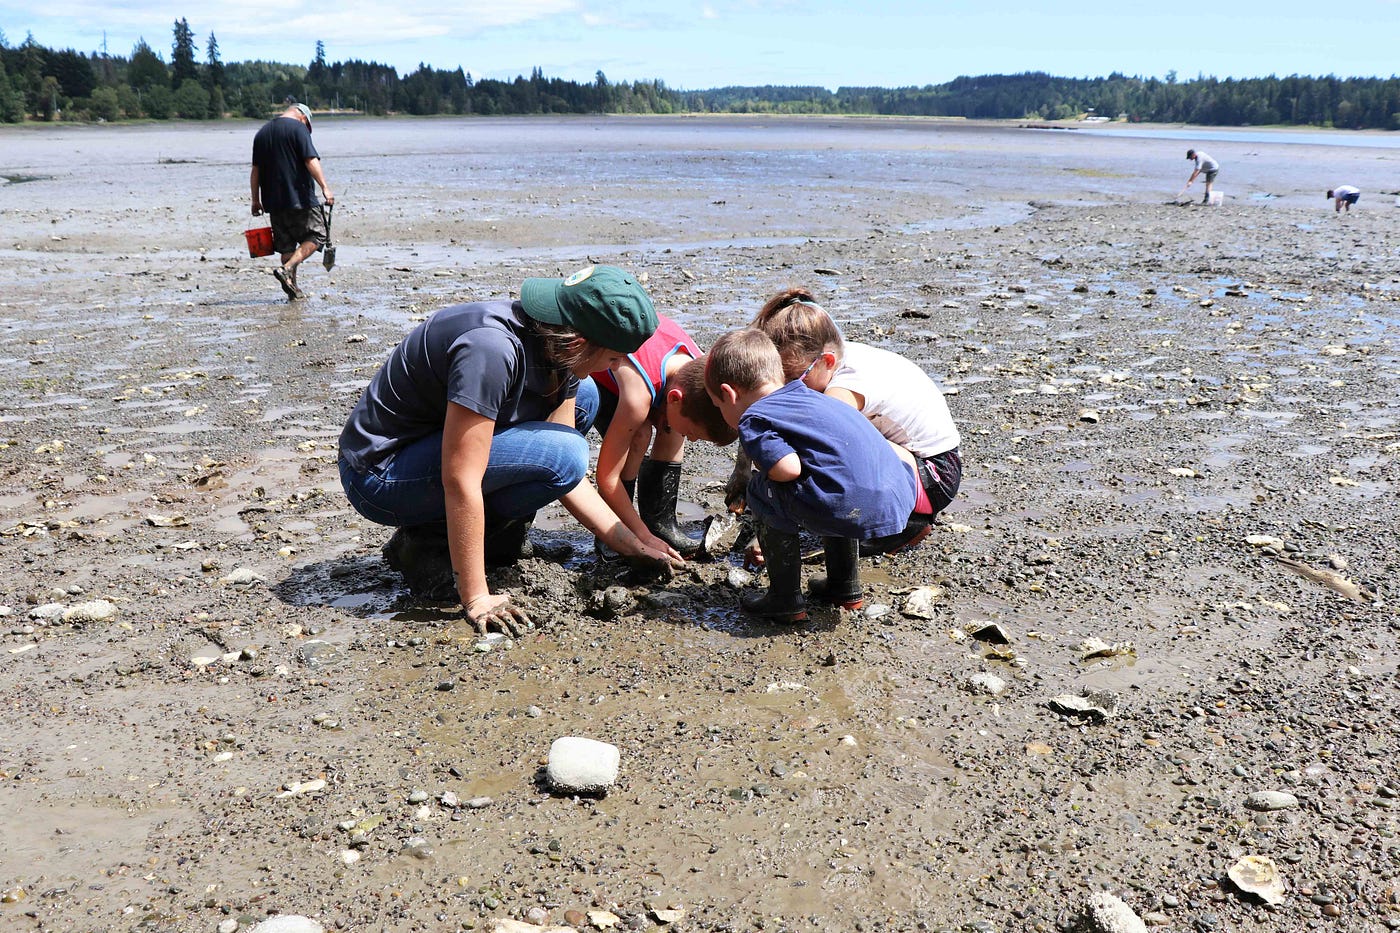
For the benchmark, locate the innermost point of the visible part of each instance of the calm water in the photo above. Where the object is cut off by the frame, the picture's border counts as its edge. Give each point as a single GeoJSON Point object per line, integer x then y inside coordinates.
{"type": "Point", "coordinates": [714, 158]}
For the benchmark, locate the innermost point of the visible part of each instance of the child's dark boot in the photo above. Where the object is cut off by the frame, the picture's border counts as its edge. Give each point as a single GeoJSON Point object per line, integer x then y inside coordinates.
{"type": "Point", "coordinates": [841, 585]}
{"type": "Point", "coordinates": [782, 554]}
{"type": "Point", "coordinates": [658, 492]}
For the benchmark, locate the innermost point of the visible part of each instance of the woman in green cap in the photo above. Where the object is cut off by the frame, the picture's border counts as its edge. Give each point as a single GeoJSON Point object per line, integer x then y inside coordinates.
{"type": "Point", "coordinates": [472, 425]}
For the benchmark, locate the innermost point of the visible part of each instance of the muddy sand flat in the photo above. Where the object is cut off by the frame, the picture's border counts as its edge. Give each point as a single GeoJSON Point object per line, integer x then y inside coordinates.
{"type": "Point", "coordinates": [220, 705]}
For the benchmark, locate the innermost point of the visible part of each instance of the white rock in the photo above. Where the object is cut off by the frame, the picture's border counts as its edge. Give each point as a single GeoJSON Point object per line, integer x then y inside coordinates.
{"type": "Point", "coordinates": [350, 856]}
{"type": "Point", "coordinates": [1271, 800]}
{"type": "Point", "coordinates": [289, 923]}
{"type": "Point", "coordinates": [989, 684]}
{"type": "Point", "coordinates": [507, 925]}
{"type": "Point", "coordinates": [582, 766]}
{"type": "Point", "coordinates": [1105, 913]}
{"type": "Point", "coordinates": [48, 611]}
{"type": "Point", "coordinates": [228, 926]}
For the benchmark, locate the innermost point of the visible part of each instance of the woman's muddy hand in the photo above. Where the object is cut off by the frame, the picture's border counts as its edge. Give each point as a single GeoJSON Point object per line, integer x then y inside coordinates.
{"type": "Point", "coordinates": [496, 609]}
{"type": "Point", "coordinates": [653, 559]}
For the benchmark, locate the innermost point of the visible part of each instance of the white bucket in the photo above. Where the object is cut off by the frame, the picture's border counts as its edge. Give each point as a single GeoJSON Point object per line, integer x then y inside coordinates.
{"type": "Point", "coordinates": [1216, 199]}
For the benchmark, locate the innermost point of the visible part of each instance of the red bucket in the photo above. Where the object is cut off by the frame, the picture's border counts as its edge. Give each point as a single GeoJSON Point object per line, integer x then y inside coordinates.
{"type": "Point", "coordinates": [259, 241]}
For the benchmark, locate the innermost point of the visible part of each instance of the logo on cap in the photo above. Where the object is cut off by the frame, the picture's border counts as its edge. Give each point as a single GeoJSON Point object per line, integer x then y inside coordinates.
{"type": "Point", "coordinates": [579, 276]}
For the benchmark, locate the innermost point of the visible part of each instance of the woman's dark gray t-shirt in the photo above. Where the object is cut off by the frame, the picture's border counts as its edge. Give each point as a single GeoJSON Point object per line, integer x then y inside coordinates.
{"type": "Point", "coordinates": [482, 356]}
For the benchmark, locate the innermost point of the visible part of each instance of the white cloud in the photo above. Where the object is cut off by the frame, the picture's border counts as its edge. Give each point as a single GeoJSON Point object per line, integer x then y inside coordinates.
{"type": "Point", "coordinates": [356, 22]}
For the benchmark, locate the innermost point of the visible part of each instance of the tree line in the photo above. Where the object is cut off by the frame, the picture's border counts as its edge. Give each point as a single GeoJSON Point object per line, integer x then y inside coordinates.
{"type": "Point", "coordinates": [39, 83]}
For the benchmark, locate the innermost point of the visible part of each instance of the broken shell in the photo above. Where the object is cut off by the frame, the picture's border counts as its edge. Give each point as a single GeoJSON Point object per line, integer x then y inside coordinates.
{"type": "Point", "coordinates": [922, 602]}
{"type": "Point", "coordinates": [721, 531]}
{"type": "Point", "coordinates": [1098, 648]}
{"type": "Point", "coordinates": [1258, 875]}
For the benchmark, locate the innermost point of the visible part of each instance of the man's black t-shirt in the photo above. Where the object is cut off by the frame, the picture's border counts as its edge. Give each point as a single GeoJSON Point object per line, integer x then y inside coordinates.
{"type": "Point", "coordinates": [280, 151]}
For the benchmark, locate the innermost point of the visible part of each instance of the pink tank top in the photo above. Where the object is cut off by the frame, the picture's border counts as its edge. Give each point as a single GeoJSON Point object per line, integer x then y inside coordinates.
{"type": "Point", "coordinates": [650, 358]}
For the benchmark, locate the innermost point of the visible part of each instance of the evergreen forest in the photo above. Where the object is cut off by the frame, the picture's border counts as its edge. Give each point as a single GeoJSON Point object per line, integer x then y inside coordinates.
{"type": "Point", "coordinates": [43, 84]}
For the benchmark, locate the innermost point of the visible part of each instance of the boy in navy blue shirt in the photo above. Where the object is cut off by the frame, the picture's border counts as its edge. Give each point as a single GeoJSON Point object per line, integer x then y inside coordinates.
{"type": "Point", "coordinates": [819, 464]}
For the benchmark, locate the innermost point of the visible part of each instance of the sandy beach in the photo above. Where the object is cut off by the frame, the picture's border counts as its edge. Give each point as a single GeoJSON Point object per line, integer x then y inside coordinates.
{"type": "Point", "coordinates": [1180, 426]}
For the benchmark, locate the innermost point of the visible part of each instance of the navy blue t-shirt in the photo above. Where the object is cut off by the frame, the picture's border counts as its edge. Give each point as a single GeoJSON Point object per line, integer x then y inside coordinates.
{"type": "Point", "coordinates": [853, 484]}
{"type": "Point", "coordinates": [280, 151]}
{"type": "Point", "coordinates": [482, 356]}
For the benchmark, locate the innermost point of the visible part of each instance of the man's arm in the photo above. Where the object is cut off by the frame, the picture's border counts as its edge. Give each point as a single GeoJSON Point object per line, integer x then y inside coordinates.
{"type": "Point", "coordinates": [253, 179]}
{"type": "Point", "coordinates": [314, 167]}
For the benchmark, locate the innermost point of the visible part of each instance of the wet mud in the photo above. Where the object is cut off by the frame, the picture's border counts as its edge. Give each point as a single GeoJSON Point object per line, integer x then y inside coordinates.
{"type": "Point", "coordinates": [1157, 403]}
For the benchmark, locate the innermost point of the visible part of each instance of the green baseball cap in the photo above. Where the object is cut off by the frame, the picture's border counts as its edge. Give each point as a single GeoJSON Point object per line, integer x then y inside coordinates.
{"type": "Point", "coordinates": [605, 304]}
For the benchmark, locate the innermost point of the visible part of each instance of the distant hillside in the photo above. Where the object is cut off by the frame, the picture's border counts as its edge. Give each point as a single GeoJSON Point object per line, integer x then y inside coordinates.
{"type": "Point", "coordinates": [44, 84]}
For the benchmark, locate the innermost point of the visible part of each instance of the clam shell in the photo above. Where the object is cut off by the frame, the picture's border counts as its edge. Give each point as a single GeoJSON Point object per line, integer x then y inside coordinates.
{"type": "Point", "coordinates": [1258, 875]}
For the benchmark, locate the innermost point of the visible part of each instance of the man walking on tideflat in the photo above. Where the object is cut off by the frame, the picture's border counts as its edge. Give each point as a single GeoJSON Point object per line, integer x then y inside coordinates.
{"type": "Point", "coordinates": [286, 169]}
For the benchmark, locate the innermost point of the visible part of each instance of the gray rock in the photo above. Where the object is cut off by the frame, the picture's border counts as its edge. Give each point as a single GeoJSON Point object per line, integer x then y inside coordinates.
{"type": "Point", "coordinates": [582, 766]}
{"type": "Point", "coordinates": [317, 653]}
{"type": "Point", "coordinates": [1267, 800]}
{"type": "Point", "coordinates": [289, 923]}
{"type": "Point", "coordinates": [491, 641]}
{"type": "Point", "coordinates": [1093, 705]}
{"type": "Point", "coordinates": [1105, 913]}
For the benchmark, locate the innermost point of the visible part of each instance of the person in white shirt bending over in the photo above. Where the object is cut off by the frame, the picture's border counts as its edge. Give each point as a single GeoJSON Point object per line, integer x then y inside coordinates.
{"type": "Point", "coordinates": [1344, 194]}
{"type": "Point", "coordinates": [1206, 164]}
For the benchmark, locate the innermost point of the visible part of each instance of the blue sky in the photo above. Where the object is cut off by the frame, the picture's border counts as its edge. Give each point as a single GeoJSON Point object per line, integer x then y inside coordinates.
{"type": "Point", "coordinates": [703, 43]}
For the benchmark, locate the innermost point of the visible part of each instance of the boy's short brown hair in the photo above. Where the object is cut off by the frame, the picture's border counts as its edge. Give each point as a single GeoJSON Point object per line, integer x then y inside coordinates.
{"type": "Point", "coordinates": [696, 404]}
{"type": "Point", "coordinates": [744, 360]}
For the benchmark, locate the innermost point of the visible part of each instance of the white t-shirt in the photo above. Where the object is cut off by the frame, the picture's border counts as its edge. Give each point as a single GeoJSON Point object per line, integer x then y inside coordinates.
{"type": "Point", "coordinates": [1342, 191]}
{"type": "Point", "coordinates": [1205, 163]}
{"type": "Point", "coordinates": [900, 399]}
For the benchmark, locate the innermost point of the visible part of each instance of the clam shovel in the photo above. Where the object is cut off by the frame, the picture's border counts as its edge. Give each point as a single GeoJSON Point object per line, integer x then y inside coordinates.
{"type": "Point", "coordinates": [328, 251]}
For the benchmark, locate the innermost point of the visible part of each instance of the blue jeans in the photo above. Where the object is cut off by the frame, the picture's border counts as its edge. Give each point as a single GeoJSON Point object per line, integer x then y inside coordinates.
{"type": "Point", "coordinates": [531, 465]}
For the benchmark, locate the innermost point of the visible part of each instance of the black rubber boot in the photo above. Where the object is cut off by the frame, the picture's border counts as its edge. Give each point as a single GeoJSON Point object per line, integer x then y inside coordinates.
{"type": "Point", "coordinates": [421, 554]}
{"type": "Point", "coordinates": [658, 491]}
{"type": "Point", "coordinates": [782, 554]}
{"type": "Point", "coordinates": [507, 541]}
{"type": "Point", "coordinates": [841, 585]}
{"type": "Point", "coordinates": [915, 531]}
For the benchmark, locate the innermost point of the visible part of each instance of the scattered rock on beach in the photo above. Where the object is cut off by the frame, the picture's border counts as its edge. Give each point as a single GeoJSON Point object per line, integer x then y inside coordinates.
{"type": "Point", "coordinates": [1095, 706]}
{"type": "Point", "coordinates": [1268, 800]}
{"type": "Point", "coordinates": [579, 765]}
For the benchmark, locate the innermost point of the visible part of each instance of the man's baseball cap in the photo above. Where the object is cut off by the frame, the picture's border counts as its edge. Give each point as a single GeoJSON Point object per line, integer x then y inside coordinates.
{"type": "Point", "coordinates": [605, 304]}
{"type": "Point", "coordinates": [305, 112]}
{"type": "Point", "coordinates": [1190, 153]}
